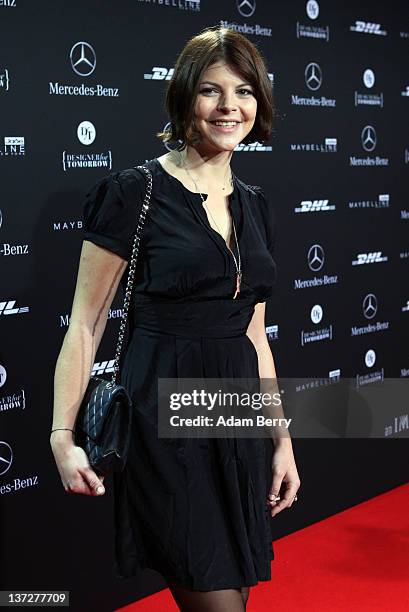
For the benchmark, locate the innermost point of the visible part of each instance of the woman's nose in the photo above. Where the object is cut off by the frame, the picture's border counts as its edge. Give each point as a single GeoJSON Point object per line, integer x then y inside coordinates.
{"type": "Point", "coordinates": [227, 103]}
{"type": "Point", "coordinates": [227, 108]}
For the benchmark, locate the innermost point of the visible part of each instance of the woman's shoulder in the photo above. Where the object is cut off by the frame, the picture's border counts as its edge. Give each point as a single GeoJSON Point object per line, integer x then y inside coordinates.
{"type": "Point", "coordinates": [129, 177]}
{"type": "Point", "coordinates": [120, 186]}
{"type": "Point", "coordinates": [111, 209]}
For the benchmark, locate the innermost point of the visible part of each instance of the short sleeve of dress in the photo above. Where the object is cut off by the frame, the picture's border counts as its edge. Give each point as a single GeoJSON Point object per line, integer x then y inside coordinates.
{"type": "Point", "coordinates": [111, 210]}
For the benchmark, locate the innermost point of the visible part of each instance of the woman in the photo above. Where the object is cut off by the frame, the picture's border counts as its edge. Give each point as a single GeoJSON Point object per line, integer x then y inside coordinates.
{"type": "Point", "coordinates": [196, 510]}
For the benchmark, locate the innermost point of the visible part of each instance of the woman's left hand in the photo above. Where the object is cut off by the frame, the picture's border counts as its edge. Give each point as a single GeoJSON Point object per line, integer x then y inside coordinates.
{"type": "Point", "coordinates": [284, 472]}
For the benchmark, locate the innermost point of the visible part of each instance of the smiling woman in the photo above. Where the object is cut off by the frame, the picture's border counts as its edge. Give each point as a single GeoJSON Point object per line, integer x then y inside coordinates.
{"type": "Point", "coordinates": [196, 509]}
{"type": "Point", "coordinates": [189, 78]}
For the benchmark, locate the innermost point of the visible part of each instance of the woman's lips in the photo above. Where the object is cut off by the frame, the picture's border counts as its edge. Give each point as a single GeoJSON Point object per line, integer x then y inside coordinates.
{"type": "Point", "coordinates": [225, 128]}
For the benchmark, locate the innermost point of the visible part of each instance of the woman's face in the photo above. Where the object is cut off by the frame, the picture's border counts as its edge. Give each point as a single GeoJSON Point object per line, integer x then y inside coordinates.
{"type": "Point", "coordinates": [223, 95]}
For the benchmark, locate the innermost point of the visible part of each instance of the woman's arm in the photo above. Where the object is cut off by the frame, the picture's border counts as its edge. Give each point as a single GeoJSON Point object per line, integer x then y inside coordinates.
{"type": "Point", "coordinates": [284, 469]}
{"type": "Point", "coordinates": [99, 274]}
{"type": "Point", "coordinates": [256, 331]}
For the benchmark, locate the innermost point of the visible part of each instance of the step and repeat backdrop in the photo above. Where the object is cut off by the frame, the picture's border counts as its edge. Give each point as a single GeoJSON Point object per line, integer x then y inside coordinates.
{"type": "Point", "coordinates": [81, 92]}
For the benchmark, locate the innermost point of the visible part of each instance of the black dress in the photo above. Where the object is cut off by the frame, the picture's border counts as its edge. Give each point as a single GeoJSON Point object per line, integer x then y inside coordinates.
{"type": "Point", "coordinates": [193, 509]}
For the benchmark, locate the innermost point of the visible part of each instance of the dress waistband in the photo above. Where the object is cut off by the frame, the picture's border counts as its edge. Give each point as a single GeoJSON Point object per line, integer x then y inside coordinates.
{"type": "Point", "coordinates": [219, 318]}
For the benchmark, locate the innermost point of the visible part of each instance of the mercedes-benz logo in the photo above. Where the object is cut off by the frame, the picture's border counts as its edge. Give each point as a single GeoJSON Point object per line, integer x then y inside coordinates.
{"type": "Point", "coordinates": [368, 138]}
{"type": "Point", "coordinates": [6, 457]}
{"type": "Point", "coordinates": [246, 7]}
{"type": "Point", "coordinates": [83, 59]}
{"type": "Point", "coordinates": [313, 76]}
{"type": "Point", "coordinates": [170, 146]}
{"type": "Point", "coordinates": [370, 306]}
{"type": "Point", "coordinates": [315, 257]}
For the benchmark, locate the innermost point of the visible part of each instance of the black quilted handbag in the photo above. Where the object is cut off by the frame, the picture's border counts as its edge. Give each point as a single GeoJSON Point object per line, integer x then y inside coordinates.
{"type": "Point", "coordinates": [103, 423]}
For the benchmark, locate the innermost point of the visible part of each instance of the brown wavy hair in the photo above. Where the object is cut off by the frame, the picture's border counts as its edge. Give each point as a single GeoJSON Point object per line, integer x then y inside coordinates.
{"type": "Point", "coordinates": [211, 45]}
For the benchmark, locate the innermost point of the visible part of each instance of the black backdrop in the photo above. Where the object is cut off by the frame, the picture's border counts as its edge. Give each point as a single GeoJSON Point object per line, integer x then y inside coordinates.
{"type": "Point", "coordinates": [81, 93]}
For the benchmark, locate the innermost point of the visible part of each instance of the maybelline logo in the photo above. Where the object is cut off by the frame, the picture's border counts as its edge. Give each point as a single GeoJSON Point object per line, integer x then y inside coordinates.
{"type": "Point", "coordinates": [8, 308]}
{"type": "Point", "coordinates": [83, 61]}
{"type": "Point", "coordinates": [312, 31]}
{"type": "Point", "coordinates": [404, 372]}
{"type": "Point", "coordinates": [14, 146]}
{"type": "Point", "coordinates": [334, 377]}
{"type": "Point", "coordinates": [253, 146]}
{"type": "Point", "coordinates": [371, 377]}
{"type": "Point", "coordinates": [59, 226]}
{"type": "Point", "coordinates": [12, 401]}
{"type": "Point", "coordinates": [369, 310]}
{"type": "Point", "coordinates": [404, 255]}
{"type": "Point", "coordinates": [315, 261]}
{"type": "Point", "coordinates": [369, 258]}
{"type": "Point", "coordinates": [245, 28]}
{"type": "Point", "coordinates": [307, 206]}
{"type": "Point", "coordinates": [182, 5]}
{"type": "Point", "coordinates": [369, 141]}
{"type": "Point", "coordinates": [405, 308]}
{"type": "Point", "coordinates": [4, 80]}
{"type": "Point", "coordinates": [159, 74]}
{"type": "Point", "coordinates": [404, 214]}
{"type": "Point", "coordinates": [382, 202]}
{"type": "Point", "coordinates": [405, 92]}
{"type": "Point", "coordinates": [8, 3]}
{"type": "Point", "coordinates": [328, 146]}
{"type": "Point", "coordinates": [113, 313]}
{"type": "Point", "coordinates": [313, 80]}
{"type": "Point", "coordinates": [366, 27]}
{"type": "Point", "coordinates": [7, 249]}
{"type": "Point", "coordinates": [366, 99]}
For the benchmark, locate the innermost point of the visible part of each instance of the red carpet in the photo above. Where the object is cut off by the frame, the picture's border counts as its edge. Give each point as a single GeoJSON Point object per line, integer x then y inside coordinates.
{"type": "Point", "coordinates": [356, 560]}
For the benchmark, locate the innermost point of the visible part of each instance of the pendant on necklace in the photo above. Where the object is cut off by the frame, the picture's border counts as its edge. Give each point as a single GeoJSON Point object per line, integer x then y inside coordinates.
{"type": "Point", "coordinates": [238, 282]}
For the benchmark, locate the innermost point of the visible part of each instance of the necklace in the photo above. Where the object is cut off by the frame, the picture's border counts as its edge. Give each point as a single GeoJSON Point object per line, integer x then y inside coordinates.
{"type": "Point", "coordinates": [237, 264]}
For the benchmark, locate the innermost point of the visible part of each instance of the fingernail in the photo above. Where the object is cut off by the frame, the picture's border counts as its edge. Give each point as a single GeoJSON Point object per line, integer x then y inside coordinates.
{"type": "Point", "coordinates": [100, 490]}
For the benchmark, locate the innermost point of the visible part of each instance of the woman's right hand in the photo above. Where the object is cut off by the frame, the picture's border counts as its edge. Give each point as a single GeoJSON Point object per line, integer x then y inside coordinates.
{"type": "Point", "coordinates": [76, 474]}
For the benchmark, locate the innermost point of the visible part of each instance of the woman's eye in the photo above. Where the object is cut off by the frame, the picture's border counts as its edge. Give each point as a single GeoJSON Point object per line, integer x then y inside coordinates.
{"type": "Point", "coordinates": [207, 90]}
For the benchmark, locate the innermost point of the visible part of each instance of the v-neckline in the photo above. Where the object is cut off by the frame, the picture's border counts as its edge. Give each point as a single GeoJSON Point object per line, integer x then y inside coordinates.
{"type": "Point", "coordinates": [231, 196]}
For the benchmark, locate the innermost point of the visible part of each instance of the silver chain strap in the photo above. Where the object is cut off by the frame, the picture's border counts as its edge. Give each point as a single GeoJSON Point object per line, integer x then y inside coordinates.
{"type": "Point", "coordinates": [131, 274]}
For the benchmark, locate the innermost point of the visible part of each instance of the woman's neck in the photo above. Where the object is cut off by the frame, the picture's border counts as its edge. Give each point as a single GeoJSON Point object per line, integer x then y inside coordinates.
{"type": "Point", "coordinates": [207, 168]}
